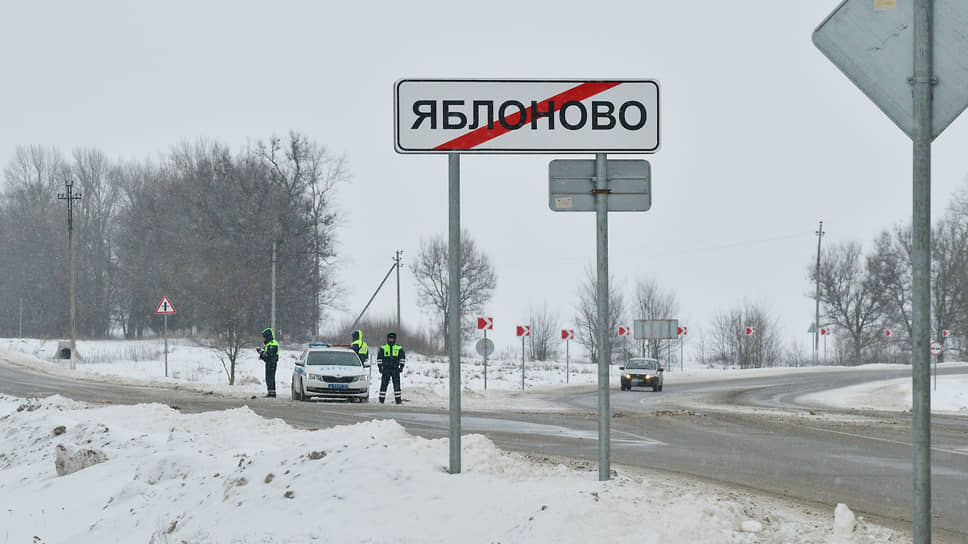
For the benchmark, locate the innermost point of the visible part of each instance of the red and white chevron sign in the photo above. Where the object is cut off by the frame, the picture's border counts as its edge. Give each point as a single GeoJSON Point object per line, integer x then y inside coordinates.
{"type": "Point", "coordinates": [945, 333]}
{"type": "Point", "coordinates": [485, 323]}
{"type": "Point", "coordinates": [523, 330]}
{"type": "Point", "coordinates": [567, 334]}
{"type": "Point", "coordinates": [888, 332]}
{"type": "Point", "coordinates": [526, 116]}
{"type": "Point", "coordinates": [750, 331]}
{"type": "Point", "coordinates": [624, 331]}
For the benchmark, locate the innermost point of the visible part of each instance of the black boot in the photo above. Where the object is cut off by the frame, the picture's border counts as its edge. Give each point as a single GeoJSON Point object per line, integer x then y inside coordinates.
{"type": "Point", "coordinates": [271, 394]}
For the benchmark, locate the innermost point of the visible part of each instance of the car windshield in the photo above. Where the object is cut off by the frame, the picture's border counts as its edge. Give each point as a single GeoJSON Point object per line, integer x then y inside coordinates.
{"type": "Point", "coordinates": [332, 358]}
{"type": "Point", "coordinates": [641, 364]}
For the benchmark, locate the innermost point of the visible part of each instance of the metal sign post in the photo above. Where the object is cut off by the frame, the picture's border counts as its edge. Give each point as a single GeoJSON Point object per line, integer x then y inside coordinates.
{"type": "Point", "coordinates": [485, 323]}
{"type": "Point", "coordinates": [522, 331]}
{"type": "Point", "coordinates": [921, 277]}
{"type": "Point", "coordinates": [567, 361]}
{"type": "Point", "coordinates": [567, 335]}
{"type": "Point", "coordinates": [485, 360]}
{"type": "Point", "coordinates": [165, 308]}
{"type": "Point", "coordinates": [601, 260]}
{"type": "Point", "coordinates": [453, 306]}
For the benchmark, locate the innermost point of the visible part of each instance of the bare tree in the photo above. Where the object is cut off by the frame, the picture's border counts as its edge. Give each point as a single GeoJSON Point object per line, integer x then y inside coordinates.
{"type": "Point", "coordinates": [850, 295]}
{"type": "Point", "coordinates": [310, 176]}
{"type": "Point", "coordinates": [949, 272]}
{"type": "Point", "coordinates": [545, 332]}
{"type": "Point", "coordinates": [477, 280]}
{"type": "Point", "coordinates": [33, 254]}
{"type": "Point", "coordinates": [653, 302]}
{"type": "Point", "coordinates": [96, 228]}
{"type": "Point", "coordinates": [732, 346]}
{"type": "Point", "coordinates": [586, 318]}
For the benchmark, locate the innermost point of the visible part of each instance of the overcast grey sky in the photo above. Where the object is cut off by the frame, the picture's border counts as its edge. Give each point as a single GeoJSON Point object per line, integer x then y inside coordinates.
{"type": "Point", "coordinates": [761, 135]}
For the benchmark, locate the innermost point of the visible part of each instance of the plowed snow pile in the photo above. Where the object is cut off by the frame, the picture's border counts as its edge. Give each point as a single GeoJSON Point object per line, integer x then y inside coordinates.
{"type": "Point", "coordinates": [149, 473]}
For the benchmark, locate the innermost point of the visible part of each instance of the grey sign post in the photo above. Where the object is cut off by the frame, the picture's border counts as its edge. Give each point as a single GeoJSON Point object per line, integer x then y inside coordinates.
{"type": "Point", "coordinates": [485, 347]}
{"type": "Point", "coordinates": [872, 43]}
{"type": "Point", "coordinates": [601, 185]}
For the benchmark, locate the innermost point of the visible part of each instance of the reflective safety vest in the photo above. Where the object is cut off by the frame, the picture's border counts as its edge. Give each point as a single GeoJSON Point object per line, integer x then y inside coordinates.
{"type": "Point", "coordinates": [395, 349]}
{"type": "Point", "coordinates": [361, 347]}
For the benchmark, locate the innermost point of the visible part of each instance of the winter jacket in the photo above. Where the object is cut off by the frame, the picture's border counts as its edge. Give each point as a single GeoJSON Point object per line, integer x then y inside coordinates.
{"type": "Point", "coordinates": [271, 352]}
{"type": "Point", "coordinates": [391, 358]}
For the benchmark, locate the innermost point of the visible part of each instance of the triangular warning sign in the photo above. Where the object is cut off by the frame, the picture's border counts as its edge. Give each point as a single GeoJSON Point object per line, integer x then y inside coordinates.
{"type": "Point", "coordinates": [165, 307]}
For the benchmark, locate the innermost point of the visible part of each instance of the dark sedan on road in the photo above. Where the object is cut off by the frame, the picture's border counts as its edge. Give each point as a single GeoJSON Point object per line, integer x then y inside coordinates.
{"type": "Point", "coordinates": [641, 371]}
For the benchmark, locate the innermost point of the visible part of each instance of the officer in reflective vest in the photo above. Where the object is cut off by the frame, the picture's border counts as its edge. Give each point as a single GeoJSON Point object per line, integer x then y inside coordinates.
{"type": "Point", "coordinates": [390, 361]}
{"type": "Point", "coordinates": [359, 346]}
{"type": "Point", "coordinates": [270, 355]}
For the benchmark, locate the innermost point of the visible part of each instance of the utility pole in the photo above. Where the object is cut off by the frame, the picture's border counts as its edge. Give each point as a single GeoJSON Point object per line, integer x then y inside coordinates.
{"type": "Point", "coordinates": [272, 318]}
{"type": "Point", "coordinates": [398, 263]}
{"type": "Point", "coordinates": [70, 196]}
{"type": "Point", "coordinates": [816, 322]}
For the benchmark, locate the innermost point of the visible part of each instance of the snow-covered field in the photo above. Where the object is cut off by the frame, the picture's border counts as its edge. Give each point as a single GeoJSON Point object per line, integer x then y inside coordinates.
{"type": "Point", "coordinates": [156, 475]}
{"type": "Point", "coordinates": [161, 476]}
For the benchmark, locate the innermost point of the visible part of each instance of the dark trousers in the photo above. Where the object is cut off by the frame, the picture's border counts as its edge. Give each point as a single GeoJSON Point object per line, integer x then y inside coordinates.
{"type": "Point", "coordinates": [271, 377]}
{"type": "Point", "coordinates": [385, 380]}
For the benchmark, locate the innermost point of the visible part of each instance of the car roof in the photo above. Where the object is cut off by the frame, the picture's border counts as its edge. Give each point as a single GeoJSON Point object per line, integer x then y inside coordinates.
{"type": "Point", "coordinates": [329, 348]}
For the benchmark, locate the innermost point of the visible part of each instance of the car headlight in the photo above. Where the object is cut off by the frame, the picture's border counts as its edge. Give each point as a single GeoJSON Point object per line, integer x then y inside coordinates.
{"type": "Point", "coordinates": [628, 376]}
{"type": "Point", "coordinates": [648, 376]}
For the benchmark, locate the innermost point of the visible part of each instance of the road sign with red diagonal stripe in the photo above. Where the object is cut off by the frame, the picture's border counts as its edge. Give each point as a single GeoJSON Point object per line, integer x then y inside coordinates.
{"type": "Point", "coordinates": [526, 116]}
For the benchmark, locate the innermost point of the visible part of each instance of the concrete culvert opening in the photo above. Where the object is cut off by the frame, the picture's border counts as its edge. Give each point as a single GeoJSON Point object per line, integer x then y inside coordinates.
{"type": "Point", "coordinates": [63, 350]}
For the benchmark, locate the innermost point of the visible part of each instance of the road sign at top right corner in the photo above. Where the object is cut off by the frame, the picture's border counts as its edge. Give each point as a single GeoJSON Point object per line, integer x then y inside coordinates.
{"type": "Point", "coordinates": [872, 43]}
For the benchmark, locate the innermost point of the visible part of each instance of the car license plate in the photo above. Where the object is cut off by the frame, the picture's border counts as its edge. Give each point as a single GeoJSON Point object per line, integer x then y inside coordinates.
{"type": "Point", "coordinates": [338, 386]}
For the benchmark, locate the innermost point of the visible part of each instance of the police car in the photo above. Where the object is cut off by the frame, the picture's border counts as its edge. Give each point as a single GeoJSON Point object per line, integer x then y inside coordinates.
{"type": "Point", "coordinates": [328, 371]}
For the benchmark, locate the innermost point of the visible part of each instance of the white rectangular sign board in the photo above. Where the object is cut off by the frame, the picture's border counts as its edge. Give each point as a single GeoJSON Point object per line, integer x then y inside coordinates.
{"type": "Point", "coordinates": [526, 116]}
{"type": "Point", "coordinates": [655, 329]}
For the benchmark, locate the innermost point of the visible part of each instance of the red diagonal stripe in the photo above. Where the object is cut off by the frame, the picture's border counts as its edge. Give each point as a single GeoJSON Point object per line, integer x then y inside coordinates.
{"type": "Point", "coordinates": [478, 136]}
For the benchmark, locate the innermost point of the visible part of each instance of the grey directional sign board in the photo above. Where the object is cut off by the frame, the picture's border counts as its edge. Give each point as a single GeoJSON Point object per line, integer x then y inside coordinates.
{"type": "Point", "coordinates": [656, 329]}
{"type": "Point", "coordinates": [571, 182]}
{"type": "Point", "coordinates": [872, 43]}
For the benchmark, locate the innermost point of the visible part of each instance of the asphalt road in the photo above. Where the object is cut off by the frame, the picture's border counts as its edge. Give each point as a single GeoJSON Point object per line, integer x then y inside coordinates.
{"type": "Point", "coordinates": [747, 432]}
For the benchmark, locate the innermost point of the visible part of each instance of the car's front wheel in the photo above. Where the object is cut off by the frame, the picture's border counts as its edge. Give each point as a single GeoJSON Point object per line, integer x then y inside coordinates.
{"type": "Point", "coordinates": [297, 393]}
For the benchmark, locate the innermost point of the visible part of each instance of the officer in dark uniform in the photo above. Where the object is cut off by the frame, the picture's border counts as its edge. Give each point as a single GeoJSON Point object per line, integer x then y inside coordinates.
{"type": "Point", "coordinates": [270, 355]}
{"type": "Point", "coordinates": [390, 361]}
{"type": "Point", "coordinates": [360, 347]}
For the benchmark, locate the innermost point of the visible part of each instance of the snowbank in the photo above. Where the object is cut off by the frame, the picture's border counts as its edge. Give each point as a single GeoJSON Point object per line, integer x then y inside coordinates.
{"type": "Point", "coordinates": [950, 396]}
{"type": "Point", "coordinates": [233, 476]}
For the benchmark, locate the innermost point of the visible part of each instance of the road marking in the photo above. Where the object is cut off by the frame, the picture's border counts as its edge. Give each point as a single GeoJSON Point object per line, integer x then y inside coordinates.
{"type": "Point", "coordinates": [642, 438]}
{"type": "Point", "coordinates": [886, 440]}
